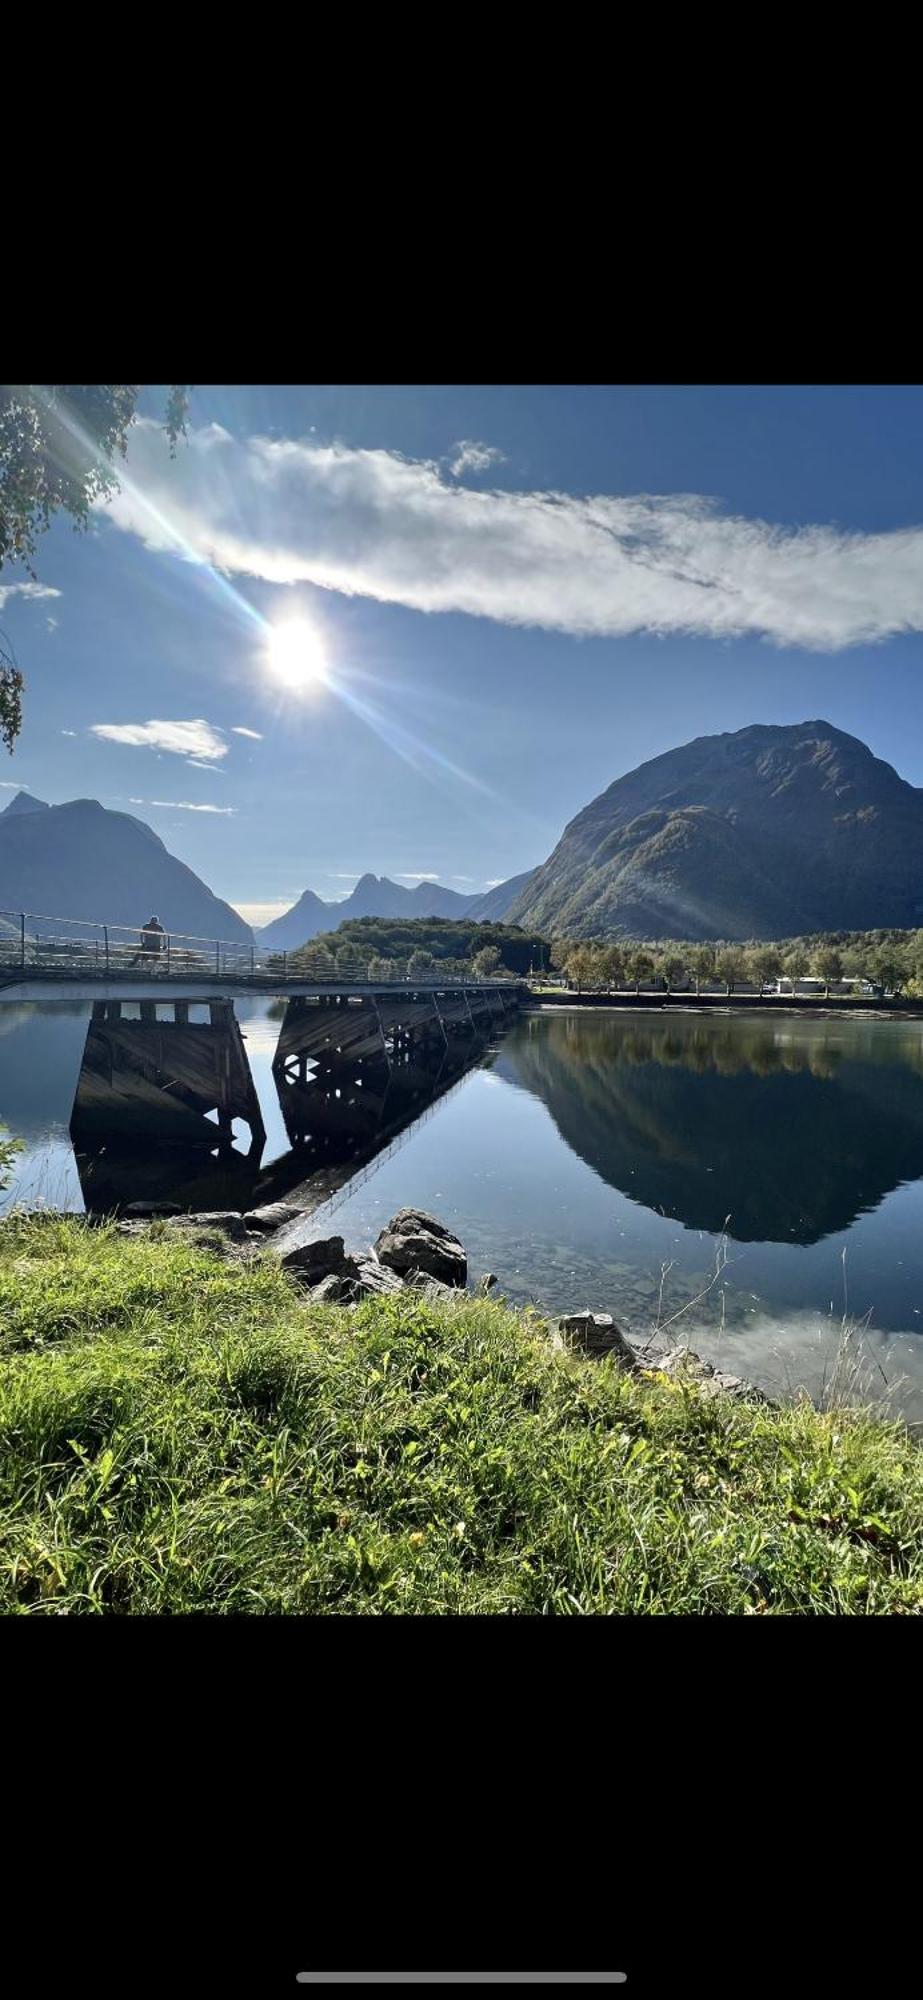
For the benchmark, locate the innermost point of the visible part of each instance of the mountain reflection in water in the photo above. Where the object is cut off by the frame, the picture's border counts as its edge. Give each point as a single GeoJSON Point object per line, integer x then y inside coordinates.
{"type": "Point", "coordinates": [781, 1133]}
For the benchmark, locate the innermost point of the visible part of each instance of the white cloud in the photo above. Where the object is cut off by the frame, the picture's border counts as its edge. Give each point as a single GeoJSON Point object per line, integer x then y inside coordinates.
{"type": "Point", "coordinates": [68, 732]}
{"type": "Point", "coordinates": [26, 590]}
{"type": "Point", "coordinates": [463, 878]}
{"type": "Point", "coordinates": [196, 764]}
{"type": "Point", "coordinates": [255, 733]}
{"type": "Point", "coordinates": [494, 881]}
{"type": "Point", "coordinates": [416, 875]}
{"type": "Point", "coordinates": [376, 524]}
{"type": "Point", "coordinates": [187, 739]}
{"type": "Point", "coordinates": [13, 785]}
{"type": "Point", "coordinates": [471, 457]}
{"type": "Point", "coordinates": [52, 624]}
{"type": "Point", "coordinates": [184, 805]}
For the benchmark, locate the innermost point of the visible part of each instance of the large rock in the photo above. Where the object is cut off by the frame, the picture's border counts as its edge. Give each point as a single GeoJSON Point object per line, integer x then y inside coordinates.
{"type": "Point", "coordinates": [317, 1259]}
{"type": "Point", "coordinates": [228, 1221]}
{"type": "Point", "coordinates": [431, 1288]}
{"type": "Point", "coordinates": [141, 1211]}
{"type": "Point", "coordinates": [596, 1334]}
{"type": "Point", "coordinates": [684, 1364]}
{"type": "Point", "coordinates": [414, 1241]}
{"type": "Point", "coordinates": [272, 1215]}
{"type": "Point", "coordinates": [332, 1290]}
{"type": "Point", "coordinates": [372, 1279]}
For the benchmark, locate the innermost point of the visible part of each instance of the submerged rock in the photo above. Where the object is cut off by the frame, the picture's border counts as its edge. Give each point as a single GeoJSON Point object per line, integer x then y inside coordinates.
{"type": "Point", "coordinates": [414, 1241]}
{"type": "Point", "coordinates": [597, 1334]}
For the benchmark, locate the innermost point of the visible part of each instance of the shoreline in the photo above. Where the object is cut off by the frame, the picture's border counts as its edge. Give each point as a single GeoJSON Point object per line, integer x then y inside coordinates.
{"type": "Point", "coordinates": [704, 1003]}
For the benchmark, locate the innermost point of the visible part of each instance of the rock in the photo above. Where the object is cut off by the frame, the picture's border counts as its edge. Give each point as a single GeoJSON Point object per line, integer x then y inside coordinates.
{"type": "Point", "coordinates": [272, 1215]}
{"type": "Point", "coordinates": [372, 1278]}
{"type": "Point", "coordinates": [598, 1335]}
{"type": "Point", "coordinates": [431, 1288]}
{"type": "Point", "coordinates": [228, 1220]}
{"type": "Point", "coordinates": [330, 1291]}
{"type": "Point", "coordinates": [415, 1241]}
{"type": "Point", "coordinates": [485, 1283]}
{"type": "Point", "coordinates": [141, 1210]}
{"type": "Point", "coordinates": [317, 1259]}
{"type": "Point", "coordinates": [683, 1362]}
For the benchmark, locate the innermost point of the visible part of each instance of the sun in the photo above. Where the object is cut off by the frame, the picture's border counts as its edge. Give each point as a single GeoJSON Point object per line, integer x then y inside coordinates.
{"type": "Point", "coordinates": [295, 656]}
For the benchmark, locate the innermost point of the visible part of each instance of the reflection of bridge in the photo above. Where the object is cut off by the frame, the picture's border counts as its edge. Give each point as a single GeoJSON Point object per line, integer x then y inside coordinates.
{"type": "Point", "coordinates": [165, 1080]}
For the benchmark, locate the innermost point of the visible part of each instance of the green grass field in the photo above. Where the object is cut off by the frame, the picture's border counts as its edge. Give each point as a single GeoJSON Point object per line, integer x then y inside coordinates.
{"type": "Point", "coordinates": [179, 1433]}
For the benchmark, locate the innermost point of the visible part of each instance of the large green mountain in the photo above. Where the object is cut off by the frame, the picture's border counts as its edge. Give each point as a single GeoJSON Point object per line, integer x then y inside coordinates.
{"type": "Point", "coordinates": [764, 832]}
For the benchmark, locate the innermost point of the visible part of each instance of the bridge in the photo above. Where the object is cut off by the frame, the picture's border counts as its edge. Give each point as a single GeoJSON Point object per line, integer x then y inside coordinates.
{"type": "Point", "coordinates": [165, 1089]}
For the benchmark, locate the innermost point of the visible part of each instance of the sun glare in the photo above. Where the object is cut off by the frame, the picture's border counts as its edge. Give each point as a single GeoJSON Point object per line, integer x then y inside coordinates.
{"type": "Point", "coordinates": [295, 656]}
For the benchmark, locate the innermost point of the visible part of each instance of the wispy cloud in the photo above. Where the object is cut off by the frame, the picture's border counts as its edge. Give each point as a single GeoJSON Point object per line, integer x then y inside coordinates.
{"type": "Point", "coordinates": [416, 875]}
{"type": "Point", "coordinates": [52, 624]}
{"type": "Point", "coordinates": [471, 457]}
{"type": "Point", "coordinates": [29, 590]}
{"type": "Point", "coordinates": [196, 764]}
{"type": "Point", "coordinates": [238, 730]}
{"type": "Point", "coordinates": [463, 878]}
{"type": "Point", "coordinates": [401, 530]}
{"type": "Point", "coordinates": [13, 785]}
{"type": "Point", "coordinates": [185, 806]}
{"type": "Point", "coordinates": [68, 732]}
{"type": "Point", "coordinates": [185, 739]}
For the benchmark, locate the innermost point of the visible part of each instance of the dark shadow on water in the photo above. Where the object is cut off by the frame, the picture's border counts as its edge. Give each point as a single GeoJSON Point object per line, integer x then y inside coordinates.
{"type": "Point", "coordinates": [792, 1130]}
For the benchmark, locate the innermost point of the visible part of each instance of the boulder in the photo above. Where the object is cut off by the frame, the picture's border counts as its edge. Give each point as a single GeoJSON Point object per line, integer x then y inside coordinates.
{"type": "Point", "coordinates": [142, 1210]}
{"type": "Point", "coordinates": [228, 1220]}
{"type": "Point", "coordinates": [431, 1288]}
{"type": "Point", "coordinates": [272, 1215]}
{"type": "Point", "coordinates": [330, 1291]}
{"type": "Point", "coordinates": [317, 1259]}
{"type": "Point", "coordinates": [597, 1335]}
{"type": "Point", "coordinates": [372, 1278]}
{"type": "Point", "coordinates": [485, 1283]}
{"type": "Point", "coordinates": [684, 1363]}
{"type": "Point", "coordinates": [414, 1241]}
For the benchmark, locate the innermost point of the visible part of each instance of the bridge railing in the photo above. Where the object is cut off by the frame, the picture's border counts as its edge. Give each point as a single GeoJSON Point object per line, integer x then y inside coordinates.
{"type": "Point", "coordinates": [33, 942]}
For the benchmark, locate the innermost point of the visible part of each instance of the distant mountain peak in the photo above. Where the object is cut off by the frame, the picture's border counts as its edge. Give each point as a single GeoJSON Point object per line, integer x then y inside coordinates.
{"type": "Point", "coordinates": [24, 802]}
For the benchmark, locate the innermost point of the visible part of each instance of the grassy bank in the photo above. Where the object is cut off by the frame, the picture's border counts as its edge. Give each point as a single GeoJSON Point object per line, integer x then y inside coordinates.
{"type": "Point", "coordinates": [180, 1433]}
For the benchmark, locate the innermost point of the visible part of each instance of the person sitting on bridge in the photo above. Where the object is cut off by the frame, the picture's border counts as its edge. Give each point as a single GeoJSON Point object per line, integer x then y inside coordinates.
{"type": "Point", "coordinates": [153, 935]}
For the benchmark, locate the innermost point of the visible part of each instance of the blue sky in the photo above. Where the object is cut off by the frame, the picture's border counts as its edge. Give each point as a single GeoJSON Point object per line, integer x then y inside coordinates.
{"type": "Point", "coordinates": [512, 595]}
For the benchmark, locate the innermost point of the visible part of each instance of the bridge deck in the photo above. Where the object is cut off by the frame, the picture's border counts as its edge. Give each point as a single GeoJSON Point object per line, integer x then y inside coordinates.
{"type": "Point", "coordinates": [45, 983]}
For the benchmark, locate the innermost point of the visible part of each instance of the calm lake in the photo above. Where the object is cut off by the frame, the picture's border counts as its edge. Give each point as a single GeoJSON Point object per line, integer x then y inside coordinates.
{"type": "Point", "coordinates": [757, 1176]}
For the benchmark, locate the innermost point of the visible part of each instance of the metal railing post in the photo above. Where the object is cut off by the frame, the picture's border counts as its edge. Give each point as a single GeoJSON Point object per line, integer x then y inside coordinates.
{"type": "Point", "coordinates": [168, 953]}
{"type": "Point", "coordinates": [106, 936]}
{"type": "Point", "coordinates": [252, 960]}
{"type": "Point", "coordinates": [218, 956]}
{"type": "Point", "coordinates": [22, 938]}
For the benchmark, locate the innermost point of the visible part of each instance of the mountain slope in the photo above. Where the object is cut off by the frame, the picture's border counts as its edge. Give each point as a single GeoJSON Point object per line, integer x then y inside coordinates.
{"type": "Point", "coordinates": [377, 896]}
{"type": "Point", "coordinates": [769, 831]}
{"type": "Point", "coordinates": [83, 862]}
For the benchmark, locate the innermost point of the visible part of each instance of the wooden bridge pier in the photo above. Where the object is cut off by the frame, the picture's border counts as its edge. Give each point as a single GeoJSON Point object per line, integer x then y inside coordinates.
{"type": "Point", "coordinates": [155, 1075]}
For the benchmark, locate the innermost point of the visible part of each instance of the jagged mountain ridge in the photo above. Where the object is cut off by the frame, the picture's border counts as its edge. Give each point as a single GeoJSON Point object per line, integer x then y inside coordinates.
{"type": "Point", "coordinates": [769, 831]}
{"type": "Point", "coordinates": [377, 896]}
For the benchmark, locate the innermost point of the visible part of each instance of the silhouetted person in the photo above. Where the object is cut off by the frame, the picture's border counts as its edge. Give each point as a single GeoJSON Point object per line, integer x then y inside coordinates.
{"type": "Point", "coordinates": [153, 935]}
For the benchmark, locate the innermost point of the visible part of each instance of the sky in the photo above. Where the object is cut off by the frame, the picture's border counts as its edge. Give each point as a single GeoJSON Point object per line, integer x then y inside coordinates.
{"type": "Point", "coordinates": [414, 630]}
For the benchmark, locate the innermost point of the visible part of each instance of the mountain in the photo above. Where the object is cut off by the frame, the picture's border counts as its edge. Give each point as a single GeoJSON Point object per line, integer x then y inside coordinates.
{"type": "Point", "coordinates": [24, 803]}
{"type": "Point", "coordinates": [770, 831]}
{"type": "Point", "coordinates": [494, 907]}
{"type": "Point", "coordinates": [376, 896]}
{"type": "Point", "coordinates": [84, 862]}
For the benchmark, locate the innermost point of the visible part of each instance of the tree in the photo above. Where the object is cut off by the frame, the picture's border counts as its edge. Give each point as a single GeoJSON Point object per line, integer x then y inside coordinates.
{"type": "Point", "coordinates": [423, 961]}
{"type": "Point", "coordinates": [486, 962]}
{"type": "Point", "coordinates": [675, 969]}
{"type": "Point", "coordinates": [828, 964]}
{"type": "Point", "coordinates": [701, 962]}
{"type": "Point", "coordinates": [730, 966]}
{"type": "Point", "coordinates": [765, 963]}
{"type": "Point", "coordinates": [638, 966]}
{"type": "Point", "coordinates": [57, 450]}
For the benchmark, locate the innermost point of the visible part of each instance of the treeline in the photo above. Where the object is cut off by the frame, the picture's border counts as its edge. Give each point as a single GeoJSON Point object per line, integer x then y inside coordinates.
{"type": "Point", "coordinates": [891, 961]}
{"type": "Point", "coordinates": [372, 945]}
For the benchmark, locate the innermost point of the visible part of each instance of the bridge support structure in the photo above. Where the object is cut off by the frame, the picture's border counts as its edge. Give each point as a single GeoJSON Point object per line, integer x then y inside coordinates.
{"type": "Point", "coordinates": [155, 1075]}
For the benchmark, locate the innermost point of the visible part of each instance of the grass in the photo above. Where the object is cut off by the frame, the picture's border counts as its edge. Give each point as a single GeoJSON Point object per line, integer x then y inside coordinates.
{"type": "Point", "coordinates": [182, 1434]}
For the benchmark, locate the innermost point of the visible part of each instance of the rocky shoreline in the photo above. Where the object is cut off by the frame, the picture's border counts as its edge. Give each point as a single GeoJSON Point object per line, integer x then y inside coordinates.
{"type": "Point", "coordinates": [416, 1253]}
